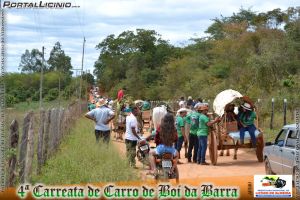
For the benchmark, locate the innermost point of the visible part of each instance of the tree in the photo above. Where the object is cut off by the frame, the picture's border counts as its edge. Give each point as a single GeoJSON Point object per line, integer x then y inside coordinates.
{"type": "Point", "coordinates": [58, 61]}
{"type": "Point", "coordinates": [31, 61]}
{"type": "Point", "coordinates": [89, 78]}
{"type": "Point", "coordinates": [133, 59]}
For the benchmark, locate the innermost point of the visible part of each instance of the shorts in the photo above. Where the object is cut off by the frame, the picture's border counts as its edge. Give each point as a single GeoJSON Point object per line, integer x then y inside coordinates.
{"type": "Point", "coordinates": [161, 149]}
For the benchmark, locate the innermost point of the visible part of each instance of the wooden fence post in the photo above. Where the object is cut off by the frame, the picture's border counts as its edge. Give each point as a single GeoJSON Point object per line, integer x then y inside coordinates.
{"type": "Point", "coordinates": [272, 114]}
{"type": "Point", "coordinates": [52, 132]}
{"type": "Point", "coordinates": [46, 137]}
{"type": "Point", "coordinates": [23, 146]}
{"type": "Point", "coordinates": [284, 111]}
{"type": "Point", "coordinates": [14, 137]}
{"type": "Point", "coordinates": [60, 125]}
{"type": "Point", "coordinates": [29, 152]}
{"type": "Point", "coordinates": [40, 142]}
{"type": "Point", "coordinates": [258, 113]}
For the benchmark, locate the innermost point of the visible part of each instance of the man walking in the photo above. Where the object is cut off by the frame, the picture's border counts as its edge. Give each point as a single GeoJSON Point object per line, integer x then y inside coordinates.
{"type": "Point", "coordinates": [131, 135]}
{"type": "Point", "coordinates": [102, 116]}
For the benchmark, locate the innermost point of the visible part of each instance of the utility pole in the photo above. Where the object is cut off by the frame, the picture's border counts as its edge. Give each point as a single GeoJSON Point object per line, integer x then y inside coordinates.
{"type": "Point", "coordinates": [87, 85]}
{"type": "Point", "coordinates": [41, 79]}
{"type": "Point", "coordinates": [81, 73]}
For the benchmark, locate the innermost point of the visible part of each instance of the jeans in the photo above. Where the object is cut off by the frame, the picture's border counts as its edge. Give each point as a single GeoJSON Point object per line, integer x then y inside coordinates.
{"type": "Point", "coordinates": [161, 149]}
{"type": "Point", "coordinates": [193, 143]}
{"type": "Point", "coordinates": [131, 151]}
{"type": "Point", "coordinates": [202, 149]}
{"type": "Point", "coordinates": [179, 143]}
{"type": "Point", "coordinates": [251, 129]}
{"type": "Point", "coordinates": [105, 135]}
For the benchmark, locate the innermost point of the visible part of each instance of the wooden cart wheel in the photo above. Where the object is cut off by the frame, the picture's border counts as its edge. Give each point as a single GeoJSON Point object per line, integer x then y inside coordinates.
{"type": "Point", "coordinates": [259, 148]}
{"type": "Point", "coordinates": [213, 149]}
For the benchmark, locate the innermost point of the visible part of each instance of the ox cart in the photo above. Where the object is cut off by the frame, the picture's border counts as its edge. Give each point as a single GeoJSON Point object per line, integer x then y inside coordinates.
{"type": "Point", "coordinates": [225, 135]}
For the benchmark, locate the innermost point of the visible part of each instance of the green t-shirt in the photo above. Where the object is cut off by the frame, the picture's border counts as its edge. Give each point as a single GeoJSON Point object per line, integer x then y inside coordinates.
{"type": "Point", "coordinates": [248, 121]}
{"type": "Point", "coordinates": [92, 106]}
{"type": "Point", "coordinates": [179, 124]}
{"type": "Point", "coordinates": [193, 120]}
{"type": "Point", "coordinates": [146, 105]}
{"type": "Point", "coordinates": [203, 128]}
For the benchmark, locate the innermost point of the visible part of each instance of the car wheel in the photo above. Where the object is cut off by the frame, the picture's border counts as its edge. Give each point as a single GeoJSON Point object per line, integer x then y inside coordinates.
{"type": "Point", "coordinates": [268, 167]}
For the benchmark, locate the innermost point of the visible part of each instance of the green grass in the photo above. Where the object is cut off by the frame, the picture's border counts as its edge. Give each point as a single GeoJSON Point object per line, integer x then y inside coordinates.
{"type": "Point", "coordinates": [270, 134]}
{"type": "Point", "coordinates": [81, 160]}
{"type": "Point", "coordinates": [34, 105]}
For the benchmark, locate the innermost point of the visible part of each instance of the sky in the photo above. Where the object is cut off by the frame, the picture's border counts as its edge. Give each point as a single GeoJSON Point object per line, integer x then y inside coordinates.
{"type": "Point", "coordinates": [175, 20]}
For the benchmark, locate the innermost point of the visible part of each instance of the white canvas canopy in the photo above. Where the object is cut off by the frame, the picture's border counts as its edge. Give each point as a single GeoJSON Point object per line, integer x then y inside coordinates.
{"type": "Point", "coordinates": [138, 101]}
{"type": "Point", "coordinates": [224, 98]}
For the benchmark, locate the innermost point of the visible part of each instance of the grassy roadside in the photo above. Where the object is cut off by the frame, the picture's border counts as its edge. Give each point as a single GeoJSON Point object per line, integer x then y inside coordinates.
{"type": "Point", "coordinates": [81, 160]}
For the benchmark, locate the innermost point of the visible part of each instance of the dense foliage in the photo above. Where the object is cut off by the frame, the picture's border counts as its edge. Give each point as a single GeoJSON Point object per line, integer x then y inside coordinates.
{"type": "Point", "coordinates": [257, 54]}
{"type": "Point", "coordinates": [25, 86]}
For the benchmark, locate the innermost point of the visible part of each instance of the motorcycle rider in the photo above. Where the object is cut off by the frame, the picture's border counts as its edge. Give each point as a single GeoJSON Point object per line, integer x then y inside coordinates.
{"type": "Point", "coordinates": [167, 134]}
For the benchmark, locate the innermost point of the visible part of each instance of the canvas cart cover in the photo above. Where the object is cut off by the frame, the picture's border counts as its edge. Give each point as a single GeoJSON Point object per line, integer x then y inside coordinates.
{"type": "Point", "coordinates": [223, 98]}
{"type": "Point", "coordinates": [138, 102]}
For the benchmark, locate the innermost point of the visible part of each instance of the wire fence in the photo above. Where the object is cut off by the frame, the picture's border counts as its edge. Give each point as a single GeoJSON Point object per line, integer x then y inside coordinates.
{"type": "Point", "coordinates": [38, 142]}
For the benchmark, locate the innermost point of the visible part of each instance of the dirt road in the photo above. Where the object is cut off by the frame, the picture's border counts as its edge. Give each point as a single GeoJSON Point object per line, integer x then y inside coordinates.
{"type": "Point", "coordinates": [246, 164]}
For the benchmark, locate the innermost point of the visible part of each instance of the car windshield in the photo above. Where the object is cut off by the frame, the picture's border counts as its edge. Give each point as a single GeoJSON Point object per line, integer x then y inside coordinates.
{"type": "Point", "coordinates": [281, 137]}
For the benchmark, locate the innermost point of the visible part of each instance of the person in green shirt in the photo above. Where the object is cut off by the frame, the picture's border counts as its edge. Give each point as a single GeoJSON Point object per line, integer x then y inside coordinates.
{"type": "Point", "coordinates": [246, 120]}
{"type": "Point", "coordinates": [180, 123]}
{"type": "Point", "coordinates": [146, 105]}
{"type": "Point", "coordinates": [193, 120]}
{"type": "Point", "coordinates": [202, 133]}
{"type": "Point", "coordinates": [91, 105]}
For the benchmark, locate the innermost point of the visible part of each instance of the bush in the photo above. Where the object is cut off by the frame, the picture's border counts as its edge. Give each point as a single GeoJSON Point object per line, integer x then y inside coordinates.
{"type": "Point", "coordinates": [19, 93]}
{"type": "Point", "coordinates": [52, 94]}
{"type": "Point", "coordinates": [36, 96]}
{"type": "Point", "coordinates": [10, 100]}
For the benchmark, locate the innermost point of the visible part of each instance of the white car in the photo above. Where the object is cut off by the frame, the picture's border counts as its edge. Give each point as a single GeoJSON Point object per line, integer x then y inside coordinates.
{"type": "Point", "coordinates": [280, 157]}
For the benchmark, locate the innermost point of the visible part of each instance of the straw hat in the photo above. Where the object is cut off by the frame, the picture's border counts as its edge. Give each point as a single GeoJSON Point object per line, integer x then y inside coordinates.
{"type": "Point", "coordinates": [182, 110]}
{"type": "Point", "coordinates": [246, 106]}
{"type": "Point", "coordinates": [100, 103]}
{"type": "Point", "coordinates": [203, 107]}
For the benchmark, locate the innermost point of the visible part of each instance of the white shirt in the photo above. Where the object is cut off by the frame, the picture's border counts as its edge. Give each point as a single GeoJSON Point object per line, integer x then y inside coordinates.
{"type": "Point", "coordinates": [101, 114]}
{"type": "Point", "coordinates": [131, 122]}
{"type": "Point", "coordinates": [182, 104]}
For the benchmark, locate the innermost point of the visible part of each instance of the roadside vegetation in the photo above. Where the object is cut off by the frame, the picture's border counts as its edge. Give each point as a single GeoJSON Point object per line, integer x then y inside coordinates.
{"type": "Point", "coordinates": [81, 160]}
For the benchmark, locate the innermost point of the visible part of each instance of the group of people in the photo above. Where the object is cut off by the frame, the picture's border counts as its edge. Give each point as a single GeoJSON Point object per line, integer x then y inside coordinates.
{"type": "Point", "coordinates": [103, 114]}
{"type": "Point", "coordinates": [170, 135]}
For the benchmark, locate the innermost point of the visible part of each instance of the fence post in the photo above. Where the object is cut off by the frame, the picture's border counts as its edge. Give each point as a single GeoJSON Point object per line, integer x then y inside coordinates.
{"type": "Point", "coordinates": [14, 137]}
{"type": "Point", "coordinates": [30, 151]}
{"type": "Point", "coordinates": [52, 132]}
{"type": "Point", "coordinates": [272, 114]}
{"type": "Point", "coordinates": [23, 146]}
{"type": "Point", "coordinates": [57, 131]}
{"type": "Point", "coordinates": [284, 111]}
{"type": "Point", "coordinates": [40, 142]}
{"type": "Point", "coordinates": [61, 121]}
{"type": "Point", "coordinates": [46, 136]}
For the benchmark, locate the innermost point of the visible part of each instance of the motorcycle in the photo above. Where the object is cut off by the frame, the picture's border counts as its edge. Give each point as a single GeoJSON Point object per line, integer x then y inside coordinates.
{"type": "Point", "coordinates": [143, 152]}
{"type": "Point", "coordinates": [164, 164]}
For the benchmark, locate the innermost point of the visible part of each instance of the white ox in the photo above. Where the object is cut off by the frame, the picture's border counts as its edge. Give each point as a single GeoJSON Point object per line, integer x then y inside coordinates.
{"type": "Point", "coordinates": [157, 115]}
